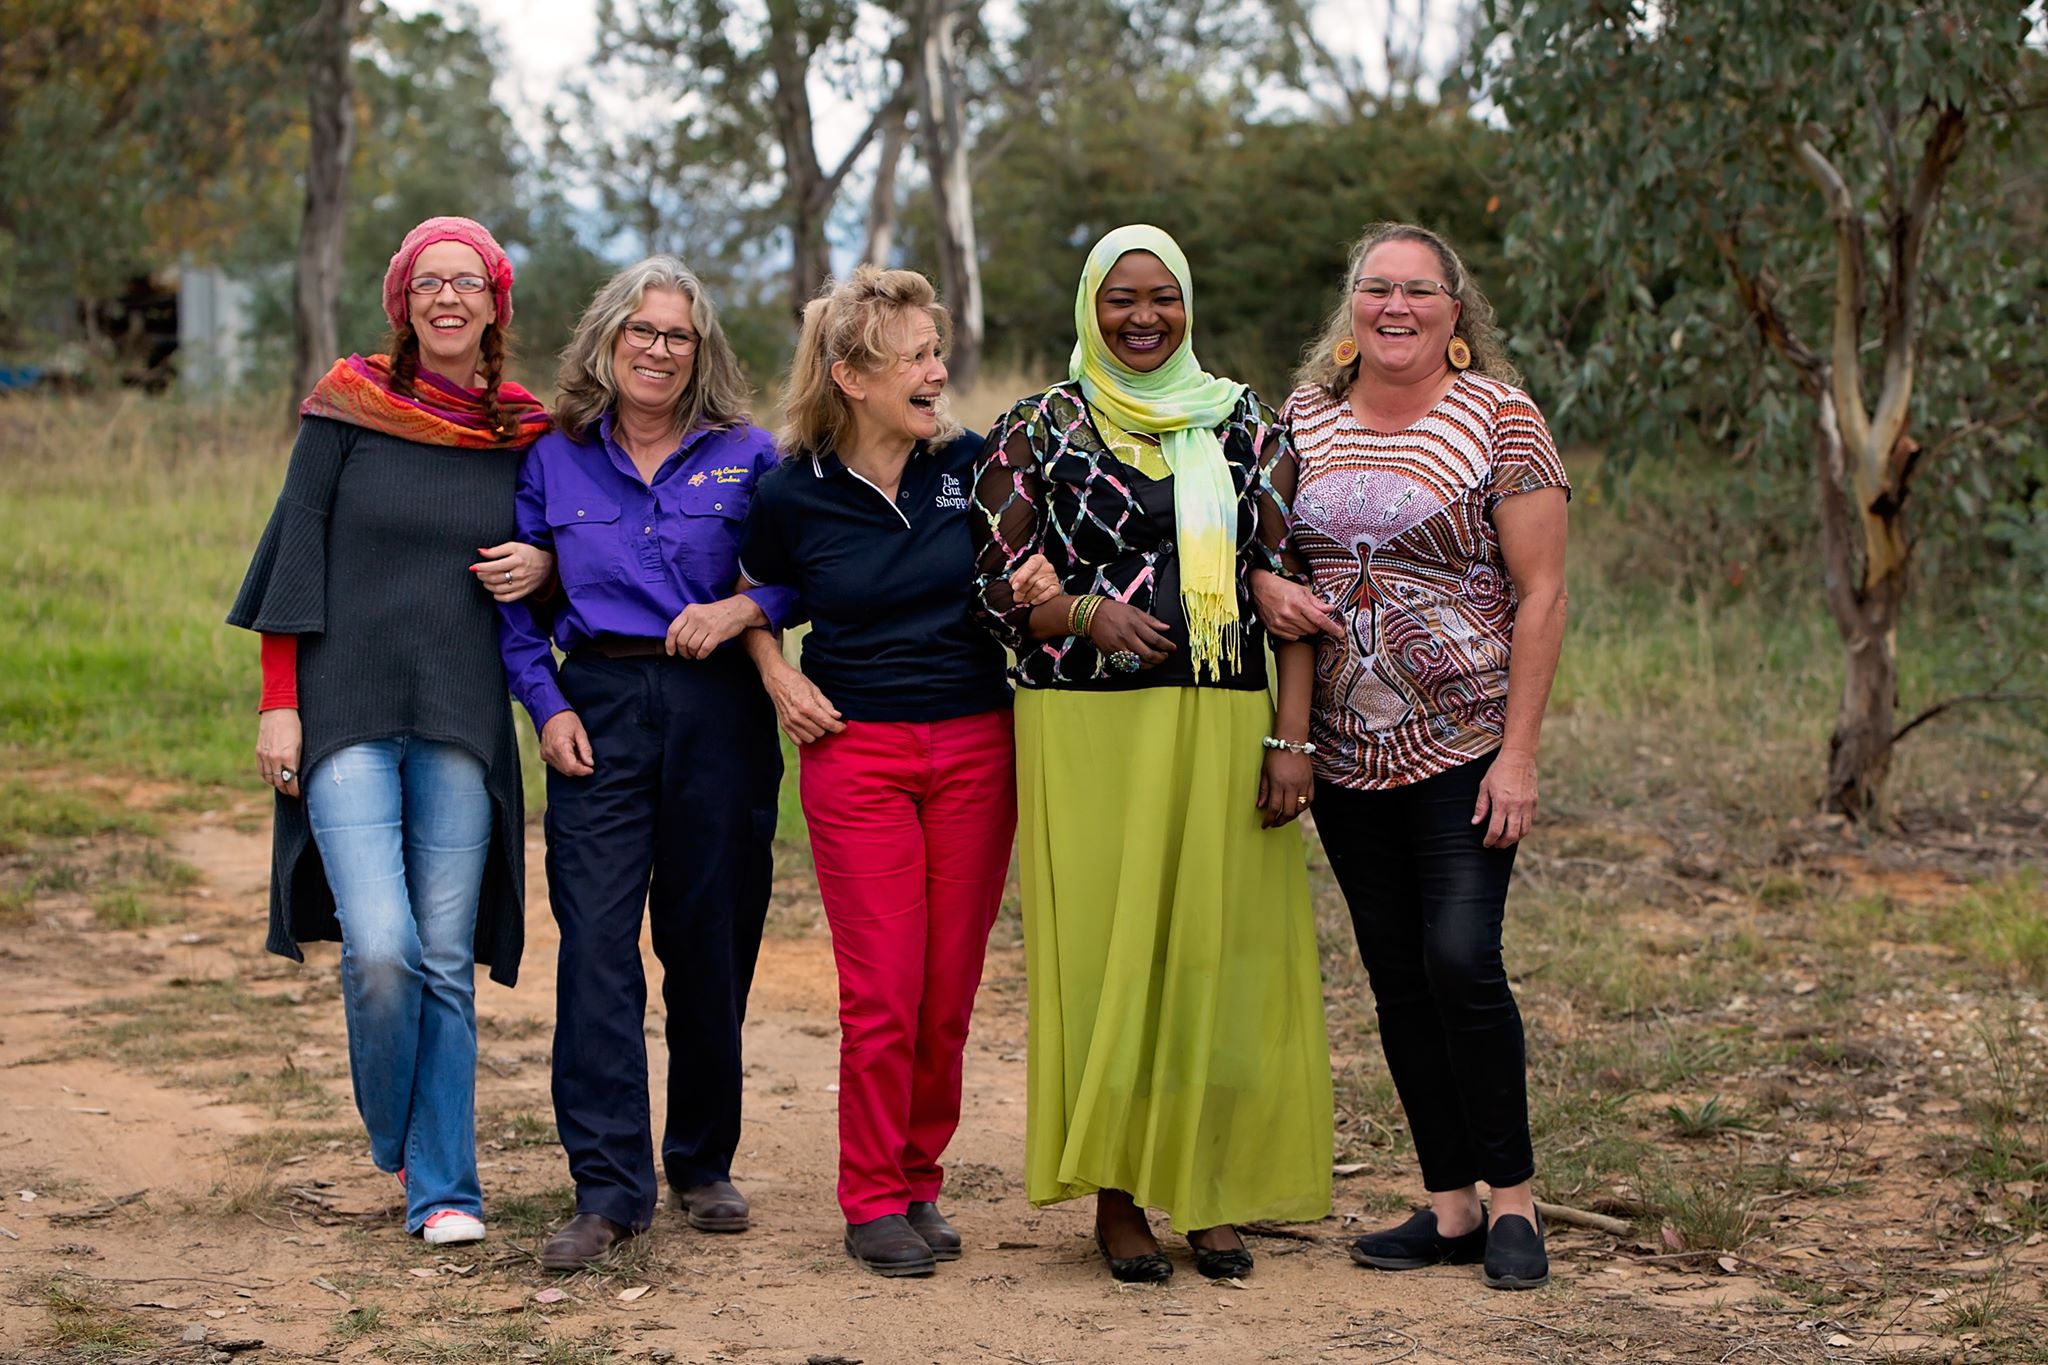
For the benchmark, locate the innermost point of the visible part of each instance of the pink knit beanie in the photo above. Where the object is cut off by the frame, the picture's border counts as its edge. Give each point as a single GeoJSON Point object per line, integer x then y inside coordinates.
{"type": "Point", "coordinates": [469, 232]}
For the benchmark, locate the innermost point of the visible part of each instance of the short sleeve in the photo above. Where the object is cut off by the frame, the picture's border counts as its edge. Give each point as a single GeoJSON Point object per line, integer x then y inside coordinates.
{"type": "Point", "coordinates": [765, 556]}
{"type": "Point", "coordinates": [285, 589]}
{"type": "Point", "coordinates": [1524, 457]}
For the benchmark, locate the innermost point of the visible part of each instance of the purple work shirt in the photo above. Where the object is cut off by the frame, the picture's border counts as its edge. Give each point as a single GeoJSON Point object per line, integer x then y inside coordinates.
{"type": "Point", "coordinates": [629, 555]}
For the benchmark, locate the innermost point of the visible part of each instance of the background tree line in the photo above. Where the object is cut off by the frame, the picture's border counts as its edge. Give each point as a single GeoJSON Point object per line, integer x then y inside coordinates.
{"type": "Point", "coordinates": [1799, 254]}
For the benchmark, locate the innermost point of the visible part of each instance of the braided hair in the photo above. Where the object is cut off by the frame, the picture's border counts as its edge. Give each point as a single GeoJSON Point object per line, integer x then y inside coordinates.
{"type": "Point", "coordinates": [404, 347]}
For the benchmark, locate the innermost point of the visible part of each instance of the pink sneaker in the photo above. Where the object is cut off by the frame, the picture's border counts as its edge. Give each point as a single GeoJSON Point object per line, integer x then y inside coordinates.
{"type": "Point", "coordinates": [452, 1225]}
{"type": "Point", "coordinates": [400, 1173]}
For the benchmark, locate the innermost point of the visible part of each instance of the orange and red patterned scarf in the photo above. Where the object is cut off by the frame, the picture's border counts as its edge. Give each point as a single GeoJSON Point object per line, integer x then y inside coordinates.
{"type": "Point", "coordinates": [358, 391]}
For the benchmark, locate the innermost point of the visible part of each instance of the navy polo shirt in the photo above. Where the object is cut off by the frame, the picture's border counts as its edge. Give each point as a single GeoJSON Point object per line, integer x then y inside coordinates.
{"type": "Point", "coordinates": [886, 583]}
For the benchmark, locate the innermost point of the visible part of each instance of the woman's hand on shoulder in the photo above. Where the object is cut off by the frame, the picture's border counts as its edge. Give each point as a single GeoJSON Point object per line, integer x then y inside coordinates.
{"type": "Point", "coordinates": [1287, 784]}
{"type": "Point", "coordinates": [513, 570]}
{"type": "Point", "coordinates": [279, 745]}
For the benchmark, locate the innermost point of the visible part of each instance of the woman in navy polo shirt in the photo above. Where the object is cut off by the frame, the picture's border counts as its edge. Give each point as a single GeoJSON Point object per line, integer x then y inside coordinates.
{"type": "Point", "coordinates": [904, 717]}
{"type": "Point", "coordinates": [662, 760]}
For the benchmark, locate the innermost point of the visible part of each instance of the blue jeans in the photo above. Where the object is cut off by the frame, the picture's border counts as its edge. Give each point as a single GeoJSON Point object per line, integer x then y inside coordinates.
{"type": "Point", "coordinates": [403, 827]}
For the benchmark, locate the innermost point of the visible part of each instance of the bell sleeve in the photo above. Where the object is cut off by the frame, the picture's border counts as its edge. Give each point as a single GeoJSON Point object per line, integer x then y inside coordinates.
{"type": "Point", "coordinates": [285, 590]}
{"type": "Point", "coordinates": [1007, 523]}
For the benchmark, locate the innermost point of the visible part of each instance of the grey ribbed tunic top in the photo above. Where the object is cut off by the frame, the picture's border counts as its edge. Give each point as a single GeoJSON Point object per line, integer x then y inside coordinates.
{"type": "Point", "coordinates": [366, 559]}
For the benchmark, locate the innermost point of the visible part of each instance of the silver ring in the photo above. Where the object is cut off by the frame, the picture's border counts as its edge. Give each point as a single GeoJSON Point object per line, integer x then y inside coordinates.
{"type": "Point", "coordinates": [508, 575]}
{"type": "Point", "coordinates": [1126, 661]}
{"type": "Point", "coordinates": [285, 776]}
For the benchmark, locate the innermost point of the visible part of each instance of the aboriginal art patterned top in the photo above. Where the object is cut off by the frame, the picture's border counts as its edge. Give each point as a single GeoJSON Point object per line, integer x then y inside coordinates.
{"type": "Point", "coordinates": [1397, 529]}
{"type": "Point", "coordinates": [1047, 482]}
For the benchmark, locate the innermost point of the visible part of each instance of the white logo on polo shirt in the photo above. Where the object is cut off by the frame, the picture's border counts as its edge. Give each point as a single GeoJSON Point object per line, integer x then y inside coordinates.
{"type": "Point", "coordinates": [950, 494]}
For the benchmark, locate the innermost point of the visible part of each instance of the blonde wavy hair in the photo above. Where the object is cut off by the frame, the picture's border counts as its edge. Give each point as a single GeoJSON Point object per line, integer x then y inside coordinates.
{"type": "Point", "coordinates": [855, 320]}
{"type": "Point", "coordinates": [1475, 319]}
{"type": "Point", "coordinates": [717, 393]}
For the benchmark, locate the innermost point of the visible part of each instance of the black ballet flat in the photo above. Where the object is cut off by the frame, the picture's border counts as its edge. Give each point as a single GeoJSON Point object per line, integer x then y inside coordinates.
{"type": "Point", "coordinates": [1150, 1268]}
{"type": "Point", "coordinates": [1232, 1264]}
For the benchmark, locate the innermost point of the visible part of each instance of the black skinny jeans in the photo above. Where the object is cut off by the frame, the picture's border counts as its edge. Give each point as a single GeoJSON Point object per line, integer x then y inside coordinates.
{"type": "Point", "coordinates": [1426, 898]}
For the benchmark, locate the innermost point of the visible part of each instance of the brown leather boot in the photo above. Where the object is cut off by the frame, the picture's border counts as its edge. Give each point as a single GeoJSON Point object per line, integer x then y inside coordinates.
{"type": "Point", "coordinates": [889, 1246]}
{"type": "Point", "coordinates": [716, 1207]}
{"type": "Point", "coordinates": [941, 1236]}
{"type": "Point", "coordinates": [584, 1239]}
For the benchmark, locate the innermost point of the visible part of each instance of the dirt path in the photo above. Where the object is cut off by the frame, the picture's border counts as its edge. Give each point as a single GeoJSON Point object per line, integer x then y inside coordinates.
{"type": "Point", "coordinates": [182, 1062]}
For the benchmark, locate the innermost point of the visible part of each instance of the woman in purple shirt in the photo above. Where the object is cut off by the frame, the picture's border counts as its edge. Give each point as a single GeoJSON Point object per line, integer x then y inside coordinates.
{"type": "Point", "coordinates": [662, 759]}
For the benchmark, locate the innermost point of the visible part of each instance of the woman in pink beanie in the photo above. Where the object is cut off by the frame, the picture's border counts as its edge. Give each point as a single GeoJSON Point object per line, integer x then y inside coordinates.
{"type": "Point", "coordinates": [385, 728]}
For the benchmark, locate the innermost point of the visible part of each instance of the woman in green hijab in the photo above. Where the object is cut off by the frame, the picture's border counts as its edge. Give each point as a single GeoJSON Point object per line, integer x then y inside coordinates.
{"type": "Point", "coordinates": [1178, 1056]}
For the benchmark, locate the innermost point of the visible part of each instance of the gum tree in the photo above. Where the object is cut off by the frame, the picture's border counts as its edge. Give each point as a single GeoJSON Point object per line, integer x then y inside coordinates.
{"type": "Point", "coordinates": [1725, 186]}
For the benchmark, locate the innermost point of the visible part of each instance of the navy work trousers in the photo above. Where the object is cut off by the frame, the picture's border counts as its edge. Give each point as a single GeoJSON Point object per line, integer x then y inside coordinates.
{"type": "Point", "coordinates": [679, 817]}
{"type": "Point", "coordinates": [1427, 898]}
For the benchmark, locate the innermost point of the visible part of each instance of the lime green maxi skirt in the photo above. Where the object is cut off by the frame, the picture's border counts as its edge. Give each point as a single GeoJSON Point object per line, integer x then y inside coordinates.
{"type": "Point", "coordinates": [1177, 1045]}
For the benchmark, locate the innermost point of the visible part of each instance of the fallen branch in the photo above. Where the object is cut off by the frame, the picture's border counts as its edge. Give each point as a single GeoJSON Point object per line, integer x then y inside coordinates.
{"type": "Point", "coordinates": [99, 1210]}
{"type": "Point", "coordinates": [1584, 1218]}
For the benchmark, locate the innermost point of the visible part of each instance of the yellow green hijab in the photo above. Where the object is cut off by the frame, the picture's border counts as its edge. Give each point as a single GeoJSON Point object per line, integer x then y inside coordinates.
{"type": "Point", "coordinates": [1182, 404]}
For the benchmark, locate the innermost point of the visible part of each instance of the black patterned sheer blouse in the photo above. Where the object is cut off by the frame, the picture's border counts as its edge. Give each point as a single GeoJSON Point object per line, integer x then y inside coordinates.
{"type": "Point", "coordinates": [1048, 483]}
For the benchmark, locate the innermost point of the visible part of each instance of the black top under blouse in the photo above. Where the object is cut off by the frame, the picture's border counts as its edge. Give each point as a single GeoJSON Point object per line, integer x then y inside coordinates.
{"type": "Point", "coordinates": [887, 584]}
{"type": "Point", "coordinates": [1048, 483]}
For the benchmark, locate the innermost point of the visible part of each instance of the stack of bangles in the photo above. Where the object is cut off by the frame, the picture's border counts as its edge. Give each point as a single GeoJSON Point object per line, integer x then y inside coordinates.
{"type": "Point", "coordinates": [1082, 612]}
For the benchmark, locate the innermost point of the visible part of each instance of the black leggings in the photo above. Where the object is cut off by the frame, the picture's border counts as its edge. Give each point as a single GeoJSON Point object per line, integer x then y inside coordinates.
{"type": "Point", "coordinates": [1426, 899]}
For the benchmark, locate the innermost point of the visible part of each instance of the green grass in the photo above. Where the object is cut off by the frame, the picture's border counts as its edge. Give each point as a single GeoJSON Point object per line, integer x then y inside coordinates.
{"type": "Point", "coordinates": [84, 1328]}
{"type": "Point", "coordinates": [358, 1323]}
{"type": "Point", "coordinates": [2002, 924]}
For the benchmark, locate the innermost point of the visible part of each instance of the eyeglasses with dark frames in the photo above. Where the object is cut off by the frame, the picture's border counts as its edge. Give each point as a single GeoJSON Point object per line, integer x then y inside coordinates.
{"type": "Point", "coordinates": [641, 336]}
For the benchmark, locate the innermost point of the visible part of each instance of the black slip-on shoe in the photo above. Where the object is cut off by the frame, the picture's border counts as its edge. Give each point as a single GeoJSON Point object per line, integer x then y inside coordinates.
{"type": "Point", "coordinates": [1222, 1263]}
{"type": "Point", "coordinates": [1149, 1268]}
{"type": "Point", "coordinates": [1416, 1243]}
{"type": "Point", "coordinates": [1515, 1258]}
{"type": "Point", "coordinates": [889, 1246]}
{"type": "Point", "coordinates": [941, 1236]}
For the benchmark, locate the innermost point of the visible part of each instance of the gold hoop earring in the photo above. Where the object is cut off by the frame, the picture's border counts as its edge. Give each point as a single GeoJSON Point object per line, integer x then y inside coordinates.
{"type": "Point", "coordinates": [1459, 354]}
{"type": "Point", "coordinates": [1345, 352]}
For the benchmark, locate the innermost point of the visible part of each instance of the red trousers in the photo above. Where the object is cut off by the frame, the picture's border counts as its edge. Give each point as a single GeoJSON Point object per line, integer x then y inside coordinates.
{"type": "Point", "coordinates": [910, 825]}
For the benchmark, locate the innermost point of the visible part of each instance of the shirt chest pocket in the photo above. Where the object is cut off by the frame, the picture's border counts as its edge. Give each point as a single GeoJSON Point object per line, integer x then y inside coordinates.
{"type": "Point", "coordinates": [588, 545]}
{"type": "Point", "coordinates": [708, 528]}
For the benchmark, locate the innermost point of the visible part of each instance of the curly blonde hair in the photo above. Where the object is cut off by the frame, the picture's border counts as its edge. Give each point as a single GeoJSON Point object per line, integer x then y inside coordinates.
{"type": "Point", "coordinates": [854, 320]}
{"type": "Point", "coordinates": [717, 394]}
{"type": "Point", "coordinates": [1475, 318]}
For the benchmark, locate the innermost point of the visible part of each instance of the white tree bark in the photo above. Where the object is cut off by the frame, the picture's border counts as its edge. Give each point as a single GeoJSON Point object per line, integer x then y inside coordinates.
{"type": "Point", "coordinates": [942, 122]}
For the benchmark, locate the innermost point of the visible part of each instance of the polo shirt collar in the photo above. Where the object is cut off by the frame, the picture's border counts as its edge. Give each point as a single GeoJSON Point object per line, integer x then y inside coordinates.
{"type": "Point", "coordinates": [830, 463]}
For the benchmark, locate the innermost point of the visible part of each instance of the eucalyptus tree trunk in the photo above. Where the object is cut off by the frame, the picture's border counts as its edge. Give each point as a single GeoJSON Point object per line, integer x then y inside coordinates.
{"type": "Point", "coordinates": [809, 189]}
{"type": "Point", "coordinates": [1866, 458]}
{"type": "Point", "coordinates": [942, 122]}
{"type": "Point", "coordinates": [882, 205]}
{"type": "Point", "coordinates": [330, 108]}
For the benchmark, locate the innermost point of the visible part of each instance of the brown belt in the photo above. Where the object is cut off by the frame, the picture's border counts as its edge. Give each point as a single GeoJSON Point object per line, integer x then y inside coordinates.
{"type": "Point", "coordinates": [624, 647]}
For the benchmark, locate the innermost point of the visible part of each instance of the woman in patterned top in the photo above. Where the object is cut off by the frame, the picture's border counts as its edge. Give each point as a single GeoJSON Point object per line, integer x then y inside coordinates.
{"type": "Point", "coordinates": [1431, 510]}
{"type": "Point", "coordinates": [1178, 1057]}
